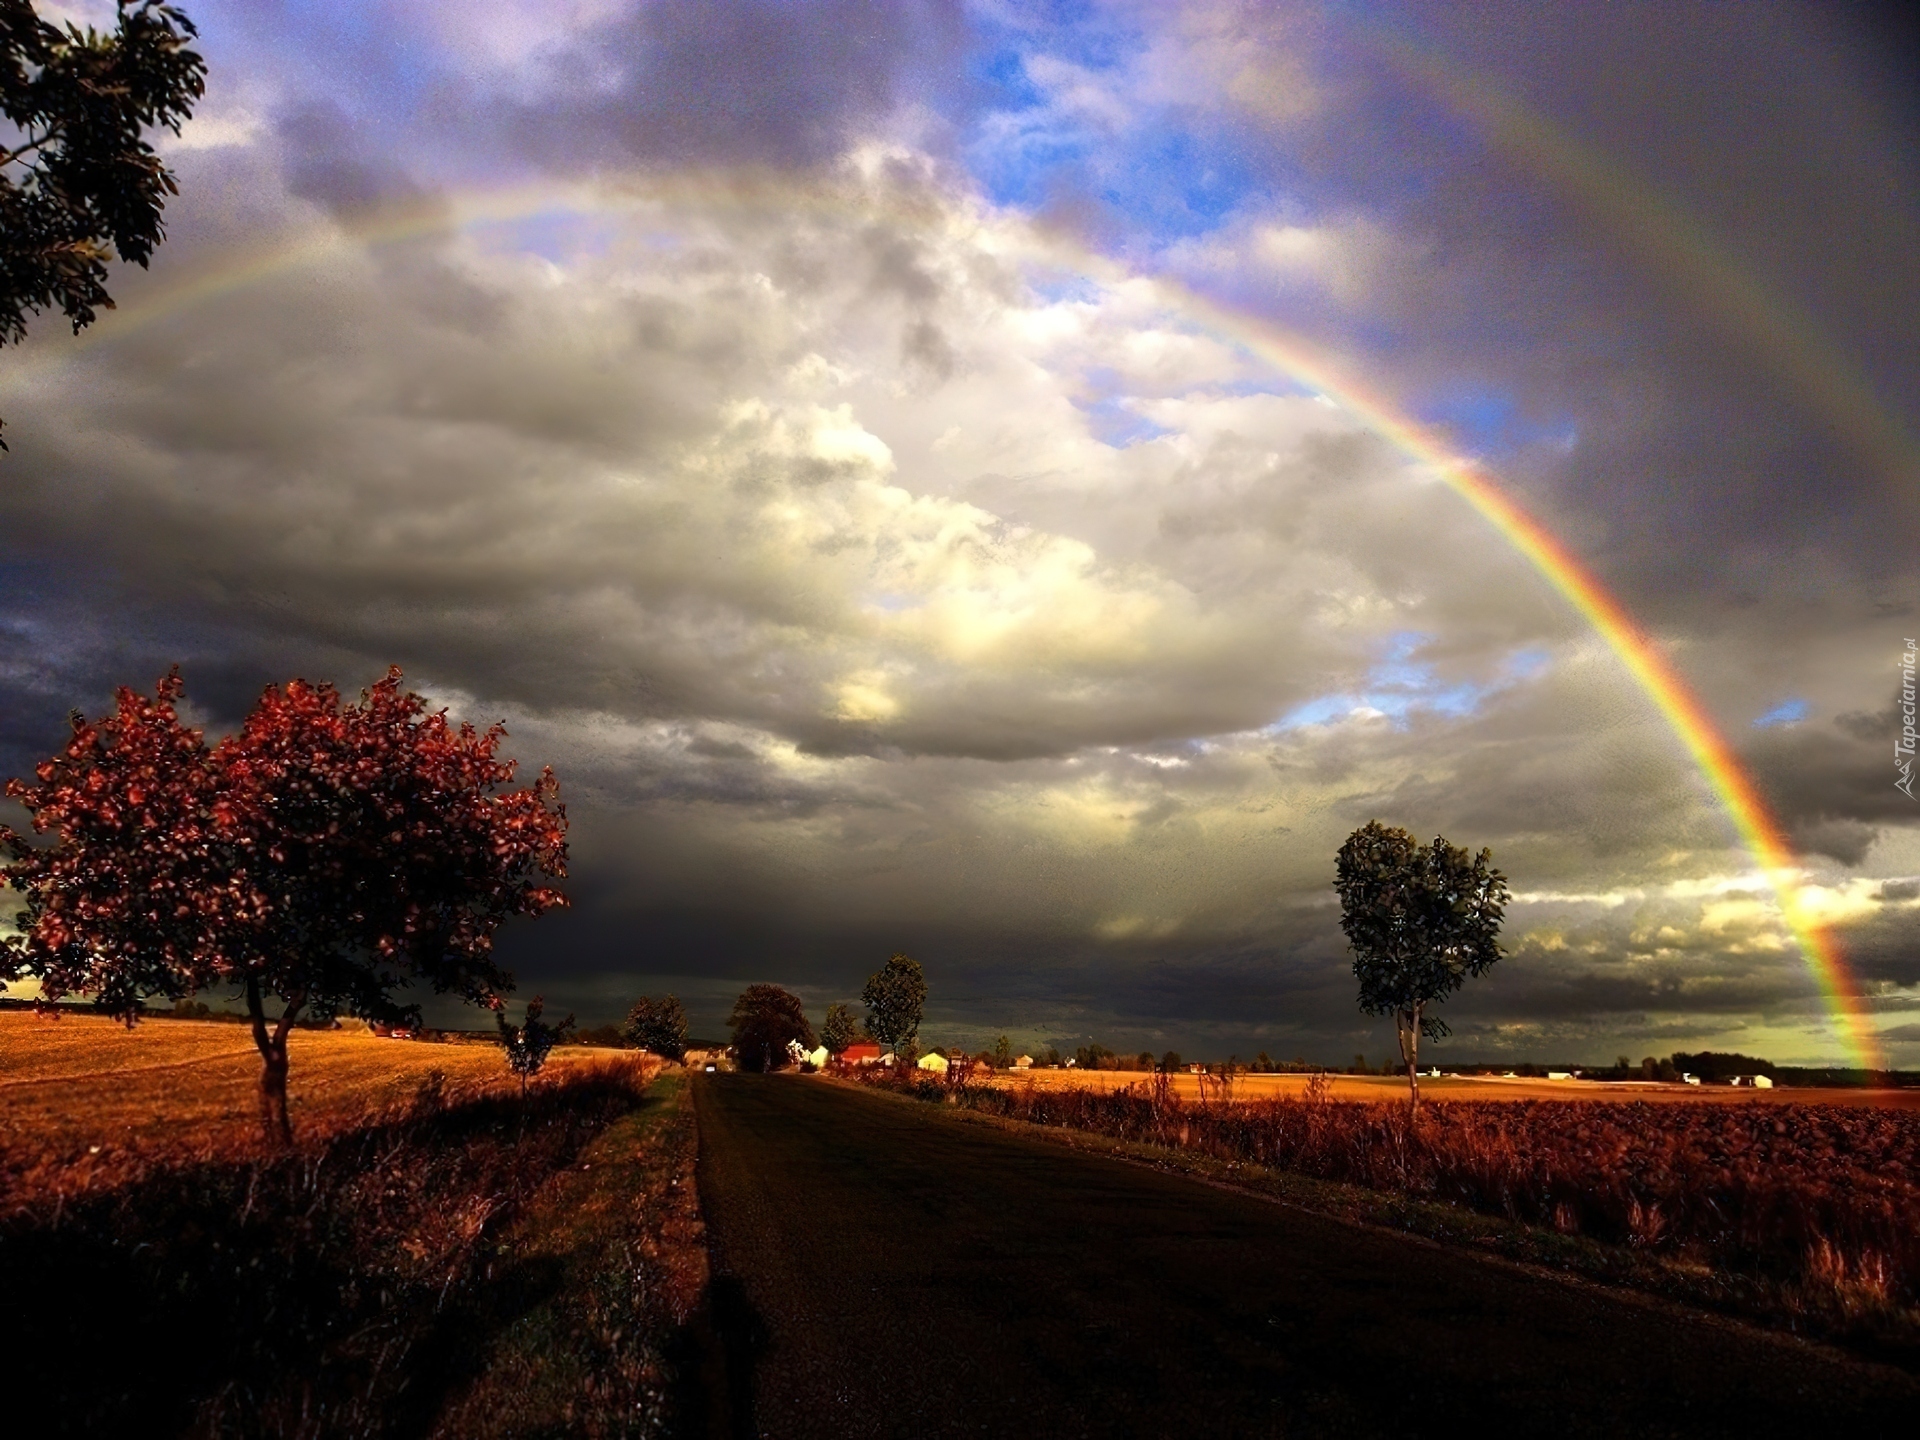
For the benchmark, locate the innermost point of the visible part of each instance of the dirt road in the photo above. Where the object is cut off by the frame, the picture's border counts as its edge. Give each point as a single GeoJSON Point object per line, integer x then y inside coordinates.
{"type": "Point", "coordinates": [883, 1269]}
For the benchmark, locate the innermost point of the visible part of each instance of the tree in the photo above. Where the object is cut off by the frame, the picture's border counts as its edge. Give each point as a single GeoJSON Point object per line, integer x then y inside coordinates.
{"type": "Point", "coordinates": [324, 856]}
{"type": "Point", "coordinates": [658, 1025]}
{"type": "Point", "coordinates": [894, 995]}
{"type": "Point", "coordinates": [77, 174]}
{"type": "Point", "coordinates": [529, 1042]}
{"type": "Point", "coordinates": [1002, 1058]}
{"type": "Point", "coordinates": [1420, 920]}
{"type": "Point", "coordinates": [840, 1030]}
{"type": "Point", "coordinates": [1170, 1062]}
{"type": "Point", "coordinates": [765, 1020]}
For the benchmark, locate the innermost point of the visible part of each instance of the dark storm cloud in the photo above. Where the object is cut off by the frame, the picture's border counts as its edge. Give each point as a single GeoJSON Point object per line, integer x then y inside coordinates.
{"type": "Point", "coordinates": [742, 82]}
{"type": "Point", "coordinates": [1833, 784]}
{"type": "Point", "coordinates": [1581, 271]}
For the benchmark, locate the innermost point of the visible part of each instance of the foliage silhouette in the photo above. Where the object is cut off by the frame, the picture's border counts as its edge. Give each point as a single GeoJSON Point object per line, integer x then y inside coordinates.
{"type": "Point", "coordinates": [894, 996]}
{"type": "Point", "coordinates": [1420, 919]}
{"type": "Point", "coordinates": [840, 1029]}
{"type": "Point", "coordinates": [79, 175]}
{"type": "Point", "coordinates": [530, 1042]}
{"type": "Point", "coordinates": [765, 1020]}
{"type": "Point", "coordinates": [659, 1025]}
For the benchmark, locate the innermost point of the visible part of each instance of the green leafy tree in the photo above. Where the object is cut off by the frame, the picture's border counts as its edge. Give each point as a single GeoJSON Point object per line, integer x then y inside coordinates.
{"type": "Point", "coordinates": [1003, 1054]}
{"type": "Point", "coordinates": [840, 1029]}
{"type": "Point", "coordinates": [1170, 1062]}
{"type": "Point", "coordinates": [529, 1043]}
{"type": "Point", "coordinates": [894, 996]}
{"type": "Point", "coordinates": [659, 1025]}
{"type": "Point", "coordinates": [1420, 919]}
{"type": "Point", "coordinates": [765, 1020]}
{"type": "Point", "coordinates": [77, 175]}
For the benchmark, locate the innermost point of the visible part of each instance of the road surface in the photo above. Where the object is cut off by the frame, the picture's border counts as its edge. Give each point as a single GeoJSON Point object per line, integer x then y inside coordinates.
{"type": "Point", "coordinates": [884, 1269]}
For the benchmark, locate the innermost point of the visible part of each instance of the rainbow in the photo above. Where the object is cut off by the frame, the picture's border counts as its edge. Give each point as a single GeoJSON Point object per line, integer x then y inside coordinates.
{"type": "Point", "coordinates": [1700, 270]}
{"type": "Point", "coordinates": [1655, 674]}
{"type": "Point", "coordinates": [1642, 656]}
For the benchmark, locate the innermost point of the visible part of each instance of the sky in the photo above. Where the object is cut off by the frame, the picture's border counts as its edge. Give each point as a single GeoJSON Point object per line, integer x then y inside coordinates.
{"type": "Point", "coordinates": [932, 478]}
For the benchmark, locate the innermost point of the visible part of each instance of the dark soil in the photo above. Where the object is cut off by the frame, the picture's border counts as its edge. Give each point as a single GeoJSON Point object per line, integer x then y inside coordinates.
{"type": "Point", "coordinates": [882, 1269]}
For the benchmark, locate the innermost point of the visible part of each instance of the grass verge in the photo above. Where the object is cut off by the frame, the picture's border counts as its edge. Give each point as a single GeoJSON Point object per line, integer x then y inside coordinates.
{"type": "Point", "coordinates": [591, 1288]}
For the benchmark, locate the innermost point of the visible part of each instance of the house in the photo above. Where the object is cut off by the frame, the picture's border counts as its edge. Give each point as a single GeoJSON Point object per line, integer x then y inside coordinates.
{"type": "Point", "coordinates": [934, 1061]}
{"type": "Point", "coordinates": [817, 1057]}
{"type": "Point", "coordinates": [1687, 1079]}
{"type": "Point", "coordinates": [865, 1053]}
{"type": "Point", "coordinates": [1753, 1082]}
{"type": "Point", "coordinates": [1559, 1074]}
{"type": "Point", "coordinates": [1025, 1062]}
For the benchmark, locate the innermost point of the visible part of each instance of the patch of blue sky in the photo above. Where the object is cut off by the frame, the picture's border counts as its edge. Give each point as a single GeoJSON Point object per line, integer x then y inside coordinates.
{"type": "Point", "coordinates": [1054, 286]}
{"type": "Point", "coordinates": [1028, 141]}
{"type": "Point", "coordinates": [561, 236]}
{"type": "Point", "coordinates": [1529, 662]}
{"type": "Point", "coordinates": [1399, 686]}
{"type": "Point", "coordinates": [1787, 712]}
{"type": "Point", "coordinates": [1489, 422]}
{"type": "Point", "coordinates": [1113, 421]}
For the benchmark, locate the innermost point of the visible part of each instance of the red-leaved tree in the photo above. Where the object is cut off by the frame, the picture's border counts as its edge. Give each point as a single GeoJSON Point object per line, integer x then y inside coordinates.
{"type": "Point", "coordinates": [325, 856]}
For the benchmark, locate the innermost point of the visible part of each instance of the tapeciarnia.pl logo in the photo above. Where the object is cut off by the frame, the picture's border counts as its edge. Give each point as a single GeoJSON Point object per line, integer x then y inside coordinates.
{"type": "Point", "coordinates": [1903, 747]}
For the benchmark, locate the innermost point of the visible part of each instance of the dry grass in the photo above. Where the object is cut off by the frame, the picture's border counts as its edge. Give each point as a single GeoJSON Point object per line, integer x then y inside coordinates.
{"type": "Point", "coordinates": [1817, 1202]}
{"type": "Point", "coordinates": [86, 1099]}
{"type": "Point", "coordinates": [1484, 1087]}
{"type": "Point", "coordinates": [594, 1284]}
{"type": "Point", "coordinates": [345, 1287]}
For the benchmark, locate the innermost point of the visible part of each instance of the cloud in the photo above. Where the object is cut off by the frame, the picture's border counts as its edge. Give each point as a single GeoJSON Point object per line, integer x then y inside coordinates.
{"type": "Point", "coordinates": [878, 577]}
{"type": "Point", "coordinates": [738, 83]}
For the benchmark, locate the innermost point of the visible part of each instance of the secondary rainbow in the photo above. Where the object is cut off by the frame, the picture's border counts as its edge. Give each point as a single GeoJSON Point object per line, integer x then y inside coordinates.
{"type": "Point", "coordinates": [1642, 656]}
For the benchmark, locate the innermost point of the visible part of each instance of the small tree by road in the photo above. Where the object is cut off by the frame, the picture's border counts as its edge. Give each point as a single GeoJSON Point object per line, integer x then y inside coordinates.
{"type": "Point", "coordinates": [529, 1043]}
{"type": "Point", "coordinates": [894, 996]}
{"type": "Point", "coordinates": [840, 1029]}
{"type": "Point", "coordinates": [659, 1025]}
{"type": "Point", "coordinates": [765, 1020]}
{"type": "Point", "coordinates": [1420, 919]}
{"type": "Point", "coordinates": [325, 855]}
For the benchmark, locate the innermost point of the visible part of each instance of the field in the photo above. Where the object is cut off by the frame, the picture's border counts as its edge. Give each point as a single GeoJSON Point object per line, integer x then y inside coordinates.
{"type": "Point", "coordinates": [410, 1267]}
{"type": "Point", "coordinates": [83, 1094]}
{"type": "Point", "coordinates": [1463, 1087]}
{"type": "Point", "coordinates": [1808, 1206]}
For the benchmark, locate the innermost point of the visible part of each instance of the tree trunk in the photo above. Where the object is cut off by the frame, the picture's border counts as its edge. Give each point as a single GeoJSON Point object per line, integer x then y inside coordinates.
{"type": "Point", "coordinates": [272, 1045]}
{"type": "Point", "coordinates": [1410, 1052]}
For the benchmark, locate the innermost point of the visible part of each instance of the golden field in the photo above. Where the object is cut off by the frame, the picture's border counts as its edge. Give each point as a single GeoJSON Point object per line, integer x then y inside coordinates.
{"type": "Point", "coordinates": [1486, 1087]}
{"type": "Point", "coordinates": [70, 1084]}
